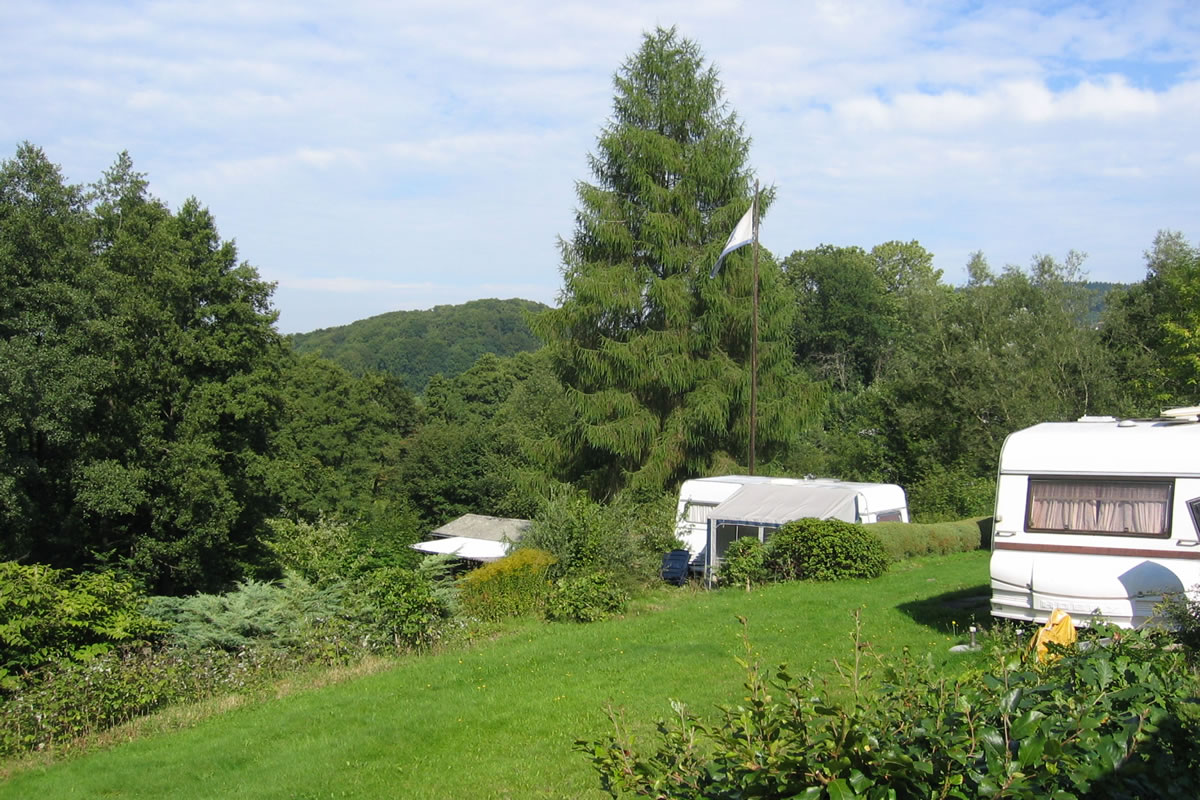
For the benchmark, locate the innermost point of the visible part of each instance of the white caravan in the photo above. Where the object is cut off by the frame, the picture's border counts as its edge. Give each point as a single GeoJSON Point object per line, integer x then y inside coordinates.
{"type": "Point", "coordinates": [712, 512]}
{"type": "Point", "coordinates": [1099, 517]}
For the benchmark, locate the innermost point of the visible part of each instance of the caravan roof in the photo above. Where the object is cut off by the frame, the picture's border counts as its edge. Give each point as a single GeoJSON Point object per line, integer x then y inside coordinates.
{"type": "Point", "coordinates": [766, 504]}
{"type": "Point", "coordinates": [1105, 446]}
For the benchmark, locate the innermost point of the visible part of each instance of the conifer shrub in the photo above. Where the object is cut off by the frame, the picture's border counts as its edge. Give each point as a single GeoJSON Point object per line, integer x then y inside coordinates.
{"type": "Point", "coordinates": [585, 598]}
{"type": "Point", "coordinates": [514, 586]}
{"type": "Point", "coordinates": [744, 563]}
{"type": "Point", "coordinates": [824, 550]}
{"type": "Point", "coordinates": [280, 616]}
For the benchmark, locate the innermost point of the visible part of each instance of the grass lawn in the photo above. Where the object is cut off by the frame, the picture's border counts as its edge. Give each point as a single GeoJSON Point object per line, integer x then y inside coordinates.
{"type": "Point", "coordinates": [498, 720]}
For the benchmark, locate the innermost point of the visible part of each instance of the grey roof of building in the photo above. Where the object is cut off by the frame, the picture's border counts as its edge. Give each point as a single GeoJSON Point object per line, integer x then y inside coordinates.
{"type": "Point", "coordinates": [480, 526]}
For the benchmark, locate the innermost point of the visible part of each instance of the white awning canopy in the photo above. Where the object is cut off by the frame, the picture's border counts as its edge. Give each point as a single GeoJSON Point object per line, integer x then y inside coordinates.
{"type": "Point", "coordinates": [774, 505]}
{"type": "Point", "coordinates": [473, 549]}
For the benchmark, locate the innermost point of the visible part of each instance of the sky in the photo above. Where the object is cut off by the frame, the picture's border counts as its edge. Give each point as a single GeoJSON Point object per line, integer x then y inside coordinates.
{"type": "Point", "coordinates": [376, 155]}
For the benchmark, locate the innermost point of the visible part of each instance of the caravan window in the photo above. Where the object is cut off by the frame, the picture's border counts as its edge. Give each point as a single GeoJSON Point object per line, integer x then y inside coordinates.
{"type": "Point", "coordinates": [1081, 505]}
{"type": "Point", "coordinates": [1194, 505]}
{"type": "Point", "coordinates": [698, 512]}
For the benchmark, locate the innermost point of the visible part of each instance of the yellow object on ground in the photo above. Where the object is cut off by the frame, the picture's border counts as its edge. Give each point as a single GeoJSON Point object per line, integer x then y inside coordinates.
{"type": "Point", "coordinates": [1058, 629]}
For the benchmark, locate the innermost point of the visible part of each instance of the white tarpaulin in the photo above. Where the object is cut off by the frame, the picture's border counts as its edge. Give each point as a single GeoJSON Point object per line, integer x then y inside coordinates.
{"type": "Point", "coordinates": [768, 504]}
{"type": "Point", "coordinates": [474, 549]}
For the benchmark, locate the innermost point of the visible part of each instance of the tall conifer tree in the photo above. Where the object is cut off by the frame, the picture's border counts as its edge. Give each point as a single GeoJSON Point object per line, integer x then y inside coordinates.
{"type": "Point", "coordinates": [654, 353]}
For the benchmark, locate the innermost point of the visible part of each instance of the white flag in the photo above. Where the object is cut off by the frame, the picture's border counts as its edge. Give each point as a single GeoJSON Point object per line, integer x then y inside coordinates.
{"type": "Point", "coordinates": [742, 235]}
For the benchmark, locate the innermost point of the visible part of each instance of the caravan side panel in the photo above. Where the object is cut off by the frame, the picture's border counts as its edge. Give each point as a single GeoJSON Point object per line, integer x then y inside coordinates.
{"type": "Point", "coordinates": [1042, 561]}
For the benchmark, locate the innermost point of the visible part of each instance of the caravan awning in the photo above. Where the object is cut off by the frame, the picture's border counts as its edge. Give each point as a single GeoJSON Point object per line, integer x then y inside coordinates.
{"type": "Point", "coordinates": [461, 546]}
{"type": "Point", "coordinates": [773, 505]}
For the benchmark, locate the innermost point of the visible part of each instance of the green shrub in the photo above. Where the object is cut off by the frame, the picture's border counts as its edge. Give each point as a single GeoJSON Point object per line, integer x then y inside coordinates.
{"type": "Point", "coordinates": [1181, 614]}
{"type": "Point", "coordinates": [1116, 721]}
{"type": "Point", "coordinates": [824, 550]}
{"type": "Point", "coordinates": [625, 538]}
{"type": "Point", "coordinates": [49, 615]}
{"type": "Point", "coordinates": [70, 699]}
{"type": "Point", "coordinates": [403, 605]}
{"type": "Point", "coordinates": [330, 551]}
{"type": "Point", "coordinates": [904, 540]}
{"type": "Point", "coordinates": [943, 494]}
{"type": "Point", "coordinates": [585, 598]}
{"type": "Point", "coordinates": [744, 563]}
{"type": "Point", "coordinates": [256, 614]}
{"type": "Point", "coordinates": [515, 586]}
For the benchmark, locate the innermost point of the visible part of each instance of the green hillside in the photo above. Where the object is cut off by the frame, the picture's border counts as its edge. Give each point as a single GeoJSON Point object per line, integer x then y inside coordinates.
{"type": "Point", "coordinates": [414, 345]}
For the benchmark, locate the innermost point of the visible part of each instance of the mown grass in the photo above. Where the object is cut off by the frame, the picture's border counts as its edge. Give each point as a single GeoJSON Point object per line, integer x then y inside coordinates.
{"type": "Point", "coordinates": [498, 720]}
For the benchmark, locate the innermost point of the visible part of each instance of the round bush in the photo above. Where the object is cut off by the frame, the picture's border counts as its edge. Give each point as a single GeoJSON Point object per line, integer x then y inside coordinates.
{"type": "Point", "coordinates": [824, 550]}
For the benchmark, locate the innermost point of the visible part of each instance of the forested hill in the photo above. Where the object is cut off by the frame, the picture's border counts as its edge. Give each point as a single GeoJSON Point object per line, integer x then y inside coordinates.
{"type": "Point", "coordinates": [414, 345]}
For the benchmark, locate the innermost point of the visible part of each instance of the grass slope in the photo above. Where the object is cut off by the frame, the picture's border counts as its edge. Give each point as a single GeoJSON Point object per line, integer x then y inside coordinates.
{"type": "Point", "coordinates": [498, 720]}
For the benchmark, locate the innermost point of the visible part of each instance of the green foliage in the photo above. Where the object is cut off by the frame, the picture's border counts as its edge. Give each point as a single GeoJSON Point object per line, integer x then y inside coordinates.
{"type": "Point", "coordinates": [1152, 329]}
{"type": "Point", "coordinates": [580, 536]}
{"type": "Point", "coordinates": [489, 445]}
{"type": "Point", "coordinates": [852, 306]}
{"type": "Point", "coordinates": [256, 614]}
{"type": "Point", "coordinates": [514, 586]}
{"type": "Point", "coordinates": [1004, 352]}
{"type": "Point", "coordinates": [1113, 722]}
{"type": "Point", "coordinates": [943, 494]}
{"type": "Point", "coordinates": [744, 563]}
{"type": "Point", "coordinates": [72, 699]}
{"type": "Point", "coordinates": [339, 445]}
{"type": "Point", "coordinates": [328, 552]}
{"type": "Point", "coordinates": [824, 550]}
{"type": "Point", "coordinates": [138, 381]}
{"type": "Point", "coordinates": [926, 390]}
{"type": "Point", "coordinates": [405, 604]}
{"type": "Point", "coordinates": [49, 616]}
{"type": "Point", "coordinates": [654, 354]}
{"type": "Point", "coordinates": [413, 346]}
{"type": "Point", "coordinates": [1181, 614]}
{"type": "Point", "coordinates": [903, 540]}
{"type": "Point", "coordinates": [585, 598]}
{"type": "Point", "coordinates": [626, 537]}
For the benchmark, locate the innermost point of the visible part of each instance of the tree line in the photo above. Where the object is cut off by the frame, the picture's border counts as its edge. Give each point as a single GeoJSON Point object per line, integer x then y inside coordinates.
{"type": "Point", "coordinates": [153, 421]}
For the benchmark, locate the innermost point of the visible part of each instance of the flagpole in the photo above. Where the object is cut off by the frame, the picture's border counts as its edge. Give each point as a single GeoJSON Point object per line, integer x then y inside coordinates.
{"type": "Point", "coordinates": [754, 337]}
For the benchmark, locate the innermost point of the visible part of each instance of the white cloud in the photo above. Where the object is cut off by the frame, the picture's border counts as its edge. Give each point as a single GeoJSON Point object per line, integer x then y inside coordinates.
{"type": "Point", "coordinates": [368, 145]}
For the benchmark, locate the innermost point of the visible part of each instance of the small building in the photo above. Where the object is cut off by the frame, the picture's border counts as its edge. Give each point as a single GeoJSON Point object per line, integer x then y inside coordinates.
{"type": "Point", "coordinates": [475, 537]}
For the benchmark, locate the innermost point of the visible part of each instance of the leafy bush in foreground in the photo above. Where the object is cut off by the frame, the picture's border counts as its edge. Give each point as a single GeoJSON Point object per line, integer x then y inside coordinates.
{"type": "Point", "coordinates": [1117, 721]}
{"type": "Point", "coordinates": [824, 550]}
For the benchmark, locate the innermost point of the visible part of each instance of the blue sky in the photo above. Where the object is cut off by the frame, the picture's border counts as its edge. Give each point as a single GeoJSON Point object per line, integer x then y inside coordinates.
{"type": "Point", "coordinates": [370, 156]}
